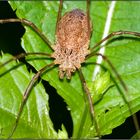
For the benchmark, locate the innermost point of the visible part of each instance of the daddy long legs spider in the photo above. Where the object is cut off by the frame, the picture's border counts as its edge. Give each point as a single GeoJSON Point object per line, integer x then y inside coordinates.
{"type": "Point", "coordinates": [85, 87]}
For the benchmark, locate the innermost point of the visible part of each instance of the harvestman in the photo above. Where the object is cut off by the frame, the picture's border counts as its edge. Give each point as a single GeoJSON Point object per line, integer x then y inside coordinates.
{"type": "Point", "coordinates": [73, 31]}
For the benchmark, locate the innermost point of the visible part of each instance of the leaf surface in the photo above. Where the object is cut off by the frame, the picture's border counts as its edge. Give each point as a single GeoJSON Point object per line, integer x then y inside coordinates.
{"type": "Point", "coordinates": [123, 52]}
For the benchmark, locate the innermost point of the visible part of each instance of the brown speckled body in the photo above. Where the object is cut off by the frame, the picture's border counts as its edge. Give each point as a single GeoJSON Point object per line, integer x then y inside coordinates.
{"type": "Point", "coordinates": [72, 42]}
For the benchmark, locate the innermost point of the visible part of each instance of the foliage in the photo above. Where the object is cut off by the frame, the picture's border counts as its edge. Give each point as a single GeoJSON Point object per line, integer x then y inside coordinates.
{"type": "Point", "coordinates": [111, 110]}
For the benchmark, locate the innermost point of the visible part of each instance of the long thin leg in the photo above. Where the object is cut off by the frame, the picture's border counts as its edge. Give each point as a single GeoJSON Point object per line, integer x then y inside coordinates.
{"type": "Point", "coordinates": [27, 93]}
{"type": "Point", "coordinates": [30, 24]}
{"type": "Point", "coordinates": [112, 67]}
{"type": "Point", "coordinates": [122, 83]}
{"type": "Point", "coordinates": [22, 55]}
{"type": "Point", "coordinates": [59, 14]}
{"type": "Point", "coordinates": [88, 95]}
{"type": "Point", "coordinates": [137, 34]}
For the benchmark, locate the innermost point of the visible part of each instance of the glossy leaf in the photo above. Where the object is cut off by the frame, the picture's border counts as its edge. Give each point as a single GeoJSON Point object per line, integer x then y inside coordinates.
{"type": "Point", "coordinates": [14, 79]}
{"type": "Point", "coordinates": [111, 110]}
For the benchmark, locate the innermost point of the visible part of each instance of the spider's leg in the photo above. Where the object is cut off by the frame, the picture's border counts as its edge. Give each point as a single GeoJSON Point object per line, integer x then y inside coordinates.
{"type": "Point", "coordinates": [89, 99]}
{"type": "Point", "coordinates": [112, 67]}
{"type": "Point", "coordinates": [117, 33]}
{"type": "Point", "coordinates": [26, 95]}
{"type": "Point", "coordinates": [30, 24]}
{"type": "Point", "coordinates": [135, 120]}
{"type": "Point", "coordinates": [22, 55]}
{"type": "Point", "coordinates": [59, 14]}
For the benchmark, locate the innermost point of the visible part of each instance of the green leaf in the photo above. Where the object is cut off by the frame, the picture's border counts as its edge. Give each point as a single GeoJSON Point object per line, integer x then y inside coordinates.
{"type": "Point", "coordinates": [99, 86]}
{"type": "Point", "coordinates": [136, 136]}
{"type": "Point", "coordinates": [14, 79]}
{"type": "Point", "coordinates": [111, 110]}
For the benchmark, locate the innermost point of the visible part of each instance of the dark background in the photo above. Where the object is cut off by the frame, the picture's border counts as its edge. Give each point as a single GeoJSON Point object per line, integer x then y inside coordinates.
{"type": "Point", "coordinates": [10, 35]}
